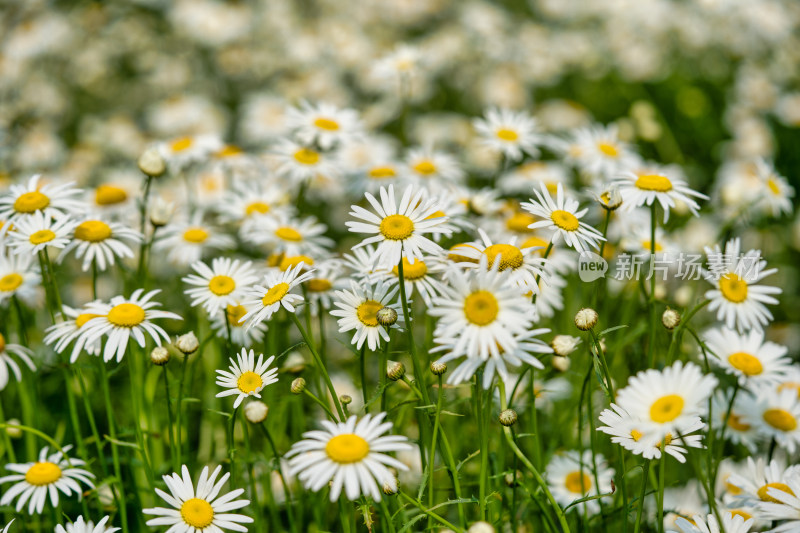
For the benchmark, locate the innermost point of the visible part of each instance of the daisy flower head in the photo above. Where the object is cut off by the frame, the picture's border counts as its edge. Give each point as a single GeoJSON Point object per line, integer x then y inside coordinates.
{"type": "Point", "coordinates": [182, 152]}
{"type": "Point", "coordinates": [100, 242]}
{"type": "Point", "coordinates": [247, 376]}
{"type": "Point", "coordinates": [323, 124]}
{"type": "Point", "coordinates": [738, 430]}
{"type": "Point", "coordinates": [62, 333]}
{"type": "Point", "coordinates": [759, 477]}
{"type": "Point", "coordinates": [783, 504]}
{"type": "Point", "coordinates": [19, 276]}
{"type": "Point", "coordinates": [599, 152]}
{"type": "Point", "coordinates": [358, 308]}
{"type": "Point", "coordinates": [199, 509]}
{"type": "Point", "coordinates": [321, 288]}
{"type": "Point", "coordinates": [399, 229]}
{"type": "Point", "coordinates": [425, 165]}
{"type": "Point", "coordinates": [239, 334]}
{"type": "Point", "coordinates": [300, 162]}
{"type": "Point", "coordinates": [352, 455]}
{"type": "Point", "coordinates": [775, 414]}
{"type": "Point", "coordinates": [220, 285]}
{"type": "Point", "coordinates": [250, 198]}
{"type": "Point", "coordinates": [738, 297]}
{"type": "Point", "coordinates": [7, 361]}
{"type": "Point", "coordinates": [748, 356]}
{"type": "Point", "coordinates": [123, 318]}
{"type": "Point", "coordinates": [283, 233]}
{"type": "Point", "coordinates": [51, 474]}
{"type": "Point", "coordinates": [37, 231]}
{"type": "Point", "coordinates": [114, 199]}
{"type": "Point", "coordinates": [730, 524]}
{"type": "Point", "coordinates": [668, 400]}
{"type": "Point", "coordinates": [519, 180]}
{"type": "Point", "coordinates": [186, 241]}
{"type": "Point", "coordinates": [776, 193]}
{"type": "Point", "coordinates": [51, 200]}
{"type": "Point", "coordinates": [511, 133]}
{"type": "Point", "coordinates": [419, 277]}
{"type": "Point", "coordinates": [262, 301]}
{"type": "Point", "coordinates": [563, 218]}
{"type": "Point", "coordinates": [656, 184]}
{"type": "Point", "coordinates": [82, 526]}
{"type": "Point", "coordinates": [570, 477]}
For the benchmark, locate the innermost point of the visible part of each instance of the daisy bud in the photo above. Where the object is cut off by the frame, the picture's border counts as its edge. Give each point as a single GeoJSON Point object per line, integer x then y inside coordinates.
{"type": "Point", "coordinates": [298, 386]}
{"type": "Point", "coordinates": [564, 345]}
{"type": "Point", "coordinates": [585, 319]}
{"type": "Point", "coordinates": [609, 198]}
{"type": "Point", "coordinates": [481, 527]}
{"type": "Point", "coordinates": [508, 417]}
{"type": "Point", "coordinates": [346, 399]}
{"type": "Point", "coordinates": [159, 356]}
{"type": "Point", "coordinates": [390, 489]}
{"type": "Point", "coordinates": [256, 412]}
{"type": "Point", "coordinates": [560, 363]}
{"type": "Point", "coordinates": [14, 433]}
{"type": "Point", "coordinates": [161, 212]}
{"type": "Point", "coordinates": [386, 316]}
{"type": "Point", "coordinates": [512, 479]}
{"type": "Point", "coordinates": [671, 318]}
{"type": "Point", "coordinates": [151, 163]}
{"type": "Point", "coordinates": [438, 368]}
{"type": "Point", "coordinates": [295, 363]}
{"type": "Point", "coordinates": [395, 371]}
{"type": "Point", "coordinates": [187, 343]}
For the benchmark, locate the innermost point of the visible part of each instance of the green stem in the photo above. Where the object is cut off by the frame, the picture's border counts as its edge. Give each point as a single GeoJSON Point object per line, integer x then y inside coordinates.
{"type": "Point", "coordinates": [321, 404]}
{"type": "Point", "coordinates": [318, 361]}
{"type": "Point", "coordinates": [642, 491]}
{"type": "Point", "coordinates": [432, 459]}
{"type": "Point", "coordinates": [431, 514]}
{"type": "Point", "coordinates": [652, 303]}
{"type": "Point", "coordinates": [179, 409]}
{"type": "Point", "coordinates": [277, 457]}
{"type": "Point", "coordinates": [231, 446]}
{"type": "Point", "coordinates": [483, 431]}
{"type": "Point", "coordinates": [384, 361]}
{"type": "Point", "coordinates": [174, 455]}
{"type": "Point", "coordinates": [362, 364]}
{"type": "Point", "coordinates": [123, 510]}
{"type": "Point", "coordinates": [418, 374]}
{"type": "Point", "coordinates": [12, 457]}
{"type": "Point", "coordinates": [662, 462]}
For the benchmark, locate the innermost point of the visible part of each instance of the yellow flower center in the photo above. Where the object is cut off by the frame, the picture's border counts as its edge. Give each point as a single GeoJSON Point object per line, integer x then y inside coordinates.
{"type": "Point", "coordinates": [197, 513]}
{"type": "Point", "coordinates": [2, 343]}
{"type": "Point", "coordinates": [256, 207]}
{"type": "Point", "coordinates": [306, 156]}
{"type": "Point", "coordinates": [772, 185]}
{"type": "Point", "coordinates": [126, 315]}
{"type": "Point", "coordinates": [235, 314]}
{"type": "Point", "coordinates": [42, 236]}
{"type": "Point", "coordinates": [347, 448]}
{"type": "Point", "coordinates": [666, 409]}
{"type": "Point", "coordinates": [83, 318]}
{"type": "Point", "coordinates": [762, 492]}
{"type": "Point", "coordinates": [319, 285]}
{"type": "Point", "coordinates": [564, 220]}
{"type": "Point", "coordinates": [780, 419]}
{"type": "Point", "coordinates": [733, 288]}
{"type": "Point", "coordinates": [179, 145]}
{"type": "Point", "coordinates": [288, 234]}
{"type": "Point", "coordinates": [249, 382]}
{"type": "Point", "coordinates": [505, 134]}
{"type": "Point", "coordinates": [730, 487]}
{"type": "Point", "coordinates": [31, 202]}
{"type": "Point", "coordinates": [229, 150]}
{"type": "Point", "coordinates": [578, 482]}
{"type": "Point", "coordinates": [412, 271]}
{"type": "Point", "coordinates": [326, 124]}
{"type": "Point", "coordinates": [109, 195]}
{"type": "Point", "coordinates": [396, 227]}
{"type": "Point", "coordinates": [535, 242]}
{"type": "Point", "coordinates": [367, 311]}
{"type": "Point", "coordinates": [195, 235]}
{"type": "Point", "coordinates": [740, 512]}
{"type": "Point", "coordinates": [646, 245]}
{"type": "Point", "coordinates": [10, 282]}
{"type": "Point", "coordinates": [288, 262]}
{"type": "Point", "coordinates": [510, 256]}
{"type": "Point", "coordinates": [456, 257]}
{"type": "Point", "coordinates": [93, 231]}
{"type": "Point", "coordinates": [519, 222]}
{"type": "Point", "coordinates": [735, 422]}
{"type": "Point", "coordinates": [41, 474]}
{"type": "Point", "coordinates": [221, 285]}
{"type": "Point", "coordinates": [481, 308]}
{"type": "Point", "coordinates": [636, 435]}
{"type": "Point", "coordinates": [608, 149]}
{"type": "Point", "coordinates": [654, 182]}
{"type": "Point", "coordinates": [746, 363]}
{"type": "Point", "coordinates": [425, 167]}
{"type": "Point", "coordinates": [435, 214]}
{"type": "Point", "coordinates": [381, 172]}
{"type": "Point", "coordinates": [275, 294]}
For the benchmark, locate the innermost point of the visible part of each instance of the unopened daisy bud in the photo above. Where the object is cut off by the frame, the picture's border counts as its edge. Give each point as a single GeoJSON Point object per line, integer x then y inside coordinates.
{"type": "Point", "coordinates": [671, 318]}
{"type": "Point", "coordinates": [390, 489]}
{"type": "Point", "coordinates": [561, 363]}
{"type": "Point", "coordinates": [151, 163]}
{"type": "Point", "coordinates": [395, 371]}
{"type": "Point", "coordinates": [512, 479]}
{"type": "Point", "coordinates": [585, 319]}
{"type": "Point", "coordinates": [438, 368]}
{"type": "Point", "coordinates": [508, 417]}
{"type": "Point", "coordinates": [256, 412]}
{"type": "Point", "coordinates": [346, 399]}
{"type": "Point", "coordinates": [609, 198]}
{"type": "Point", "coordinates": [187, 343]}
{"type": "Point", "coordinates": [298, 386]}
{"type": "Point", "coordinates": [159, 356]}
{"type": "Point", "coordinates": [481, 527]}
{"type": "Point", "coordinates": [564, 345]}
{"type": "Point", "coordinates": [13, 432]}
{"type": "Point", "coordinates": [386, 316]}
{"type": "Point", "coordinates": [161, 212]}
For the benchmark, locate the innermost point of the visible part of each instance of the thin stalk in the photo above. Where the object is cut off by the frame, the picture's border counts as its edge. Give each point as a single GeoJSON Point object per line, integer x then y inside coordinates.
{"type": "Point", "coordinates": [321, 404]}
{"type": "Point", "coordinates": [362, 365]}
{"type": "Point", "coordinates": [384, 361]}
{"type": "Point", "coordinates": [642, 491]}
{"type": "Point", "coordinates": [277, 457]}
{"type": "Point", "coordinates": [231, 446]}
{"type": "Point", "coordinates": [251, 474]}
{"type": "Point", "coordinates": [418, 374]}
{"type": "Point", "coordinates": [431, 514]}
{"type": "Point", "coordinates": [661, 474]}
{"type": "Point", "coordinates": [123, 510]}
{"type": "Point", "coordinates": [483, 431]}
{"type": "Point", "coordinates": [12, 457]}
{"type": "Point", "coordinates": [179, 409]}
{"type": "Point", "coordinates": [174, 454]}
{"type": "Point", "coordinates": [432, 459]}
{"type": "Point", "coordinates": [652, 303]}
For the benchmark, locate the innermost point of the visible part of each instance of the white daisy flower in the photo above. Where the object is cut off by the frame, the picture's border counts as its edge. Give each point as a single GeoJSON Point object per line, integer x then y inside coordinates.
{"type": "Point", "coordinates": [754, 484]}
{"type": "Point", "coordinates": [286, 234]}
{"type": "Point", "coordinates": [248, 199]}
{"type": "Point", "coordinates": [19, 277]}
{"type": "Point", "coordinates": [262, 301]}
{"type": "Point", "coordinates": [221, 285]}
{"type": "Point", "coordinates": [358, 308]}
{"type": "Point", "coordinates": [730, 524]}
{"type": "Point", "coordinates": [350, 455]}
{"type": "Point", "coordinates": [301, 163]}
{"type": "Point", "coordinates": [776, 196]}
{"type": "Point", "coordinates": [550, 297]}
{"type": "Point", "coordinates": [361, 263]}
{"type": "Point", "coordinates": [100, 242]}
{"type": "Point", "coordinates": [562, 217]}
{"type": "Point", "coordinates": [322, 287]}
{"type": "Point", "coordinates": [51, 474]}
{"type": "Point", "coordinates": [426, 166]}
{"type": "Point", "coordinates": [399, 228]}
{"type": "Point", "coordinates": [82, 526]}
{"type": "Point", "coordinates": [419, 277]}
{"type": "Point", "coordinates": [37, 231]}
{"type": "Point", "coordinates": [511, 133]}
{"type": "Point", "coordinates": [323, 124]}
{"type": "Point", "coordinates": [679, 502]}
{"type": "Point", "coordinates": [50, 199]}
{"type": "Point", "coordinates": [240, 335]}
{"type": "Point", "coordinates": [201, 509]}
{"type": "Point", "coordinates": [123, 318]}
{"type": "Point", "coordinates": [782, 503]}
{"type": "Point", "coordinates": [775, 414]}
{"type": "Point", "coordinates": [186, 242]}
{"type": "Point", "coordinates": [599, 152]}
{"type": "Point", "coordinates": [748, 356]}
{"type": "Point", "coordinates": [530, 174]}
{"type": "Point", "coordinates": [115, 199]}
{"type": "Point", "coordinates": [181, 152]}
{"type": "Point", "coordinates": [738, 298]}
{"type": "Point", "coordinates": [661, 184]}
{"type": "Point", "coordinates": [570, 477]}
{"type": "Point", "coordinates": [247, 377]}
{"type": "Point", "coordinates": [62, 333]}
{"type": "Point", "coordinates": [738, 431]}
{"type": "Point", "coordinates": [7, 362]}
